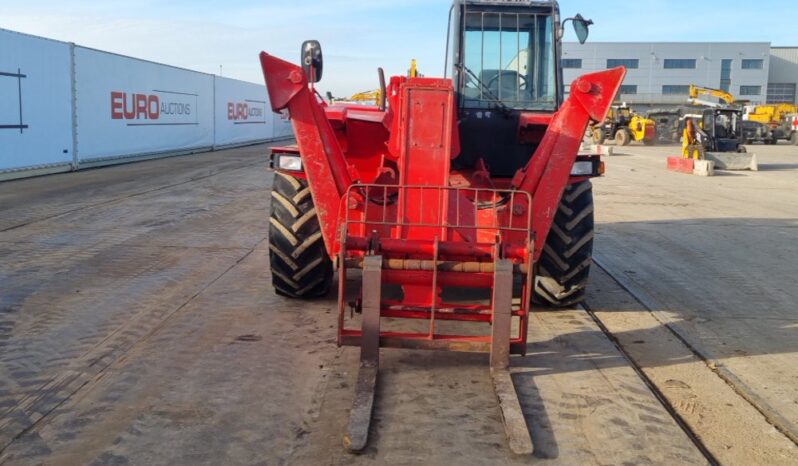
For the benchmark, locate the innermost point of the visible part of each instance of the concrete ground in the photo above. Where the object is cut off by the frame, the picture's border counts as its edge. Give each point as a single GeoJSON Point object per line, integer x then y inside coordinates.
{"type": "Point", "coordinates": [138, 326]}
{"type": "Point", "coordinates": [712, 260]}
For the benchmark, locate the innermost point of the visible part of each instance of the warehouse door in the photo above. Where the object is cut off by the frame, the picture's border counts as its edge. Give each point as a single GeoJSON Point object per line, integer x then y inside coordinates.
{"type": "Point", "coordinates": [781, 93]}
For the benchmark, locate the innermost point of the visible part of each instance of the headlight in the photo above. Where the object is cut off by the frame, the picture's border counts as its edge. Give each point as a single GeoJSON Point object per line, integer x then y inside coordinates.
{"type": "Point", "coordinates": [582, 168]}
{"type": "Point", "coordinates": [289, 162]}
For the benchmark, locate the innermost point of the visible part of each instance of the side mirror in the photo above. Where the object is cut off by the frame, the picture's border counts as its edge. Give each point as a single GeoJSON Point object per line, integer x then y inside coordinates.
{"type": "Point", "coordinates": [581, 28]}
{"type": "Point", "coordinates": [312, 60]}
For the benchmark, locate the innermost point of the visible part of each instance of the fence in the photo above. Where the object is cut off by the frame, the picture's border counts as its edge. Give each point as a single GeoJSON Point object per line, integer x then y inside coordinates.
{"type": "Point", "coordinates": [64, 107]}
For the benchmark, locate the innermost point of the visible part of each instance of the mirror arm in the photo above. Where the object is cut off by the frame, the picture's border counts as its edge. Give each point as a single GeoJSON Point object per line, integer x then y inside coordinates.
{"type": "Point", "coordinates": [588, 22]}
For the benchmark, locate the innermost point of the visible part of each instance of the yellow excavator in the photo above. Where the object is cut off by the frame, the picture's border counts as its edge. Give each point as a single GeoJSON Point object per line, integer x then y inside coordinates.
{"type": "Point", "coordinates": [697, 91]}
{"type": "Point", "coordinates": [374, 96]}
{"type": "Point", "coordinates": [366, 96]}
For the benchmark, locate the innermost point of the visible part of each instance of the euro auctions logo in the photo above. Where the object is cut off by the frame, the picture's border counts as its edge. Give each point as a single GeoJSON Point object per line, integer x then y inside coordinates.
{"type": "Point", "coordinates": [154, 108]}
{"type": "Point", "coordinates": [247, 112]}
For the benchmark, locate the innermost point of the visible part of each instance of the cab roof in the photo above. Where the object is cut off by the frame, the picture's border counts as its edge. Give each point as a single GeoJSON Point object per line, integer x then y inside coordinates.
{"type": "Point", "coordinates": [532, 3]}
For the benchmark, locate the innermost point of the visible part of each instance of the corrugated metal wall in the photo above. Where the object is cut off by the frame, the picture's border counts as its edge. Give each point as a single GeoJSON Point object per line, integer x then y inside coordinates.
{"type": "Point", "coordinates": [64, 107]}
{"type": "Point", "coordinates": [783, 73]}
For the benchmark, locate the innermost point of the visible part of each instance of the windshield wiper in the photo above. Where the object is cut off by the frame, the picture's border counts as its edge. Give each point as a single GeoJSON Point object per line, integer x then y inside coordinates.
{"type": "Point", "coordinates": [501, 106]}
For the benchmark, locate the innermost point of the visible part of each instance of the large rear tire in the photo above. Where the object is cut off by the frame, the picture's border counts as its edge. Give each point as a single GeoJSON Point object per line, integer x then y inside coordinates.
{"type": "Point", "coordinates": [564, 265]}
{"type": "Point", "coordinates": [299, 262]}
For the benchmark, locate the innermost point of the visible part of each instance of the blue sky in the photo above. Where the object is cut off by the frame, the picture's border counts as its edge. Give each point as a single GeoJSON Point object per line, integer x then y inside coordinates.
{"type": "Point", "coordinates": [358, 35]}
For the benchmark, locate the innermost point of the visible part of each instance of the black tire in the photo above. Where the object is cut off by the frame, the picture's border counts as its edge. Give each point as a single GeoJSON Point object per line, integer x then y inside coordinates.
{"type": "Point", "coordinates": [598, 135]}
{"type": "Point", "coordinates": [622, 137]}
{"type": "Point", "coordinates": [564, 265]}
{"type": "Point", "coordinates": [299, 262]}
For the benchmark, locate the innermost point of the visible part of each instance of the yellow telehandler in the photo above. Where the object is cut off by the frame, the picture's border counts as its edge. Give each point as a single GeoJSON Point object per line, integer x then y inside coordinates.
{"type": "Point", "coordinates": [624, 126]}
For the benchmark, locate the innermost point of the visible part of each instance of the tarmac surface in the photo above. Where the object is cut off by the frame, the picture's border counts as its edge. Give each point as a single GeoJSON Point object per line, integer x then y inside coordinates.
{"type": "Point", "coordinates": [138, 326]}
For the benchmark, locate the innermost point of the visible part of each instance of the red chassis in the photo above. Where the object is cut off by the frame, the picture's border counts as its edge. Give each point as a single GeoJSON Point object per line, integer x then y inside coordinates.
{"type": "Point", "coordinates": [382, 182]}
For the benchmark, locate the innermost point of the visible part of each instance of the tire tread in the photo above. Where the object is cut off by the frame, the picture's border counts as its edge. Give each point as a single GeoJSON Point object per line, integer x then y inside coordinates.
{"type": "Point", "coordinates": [300, 265]}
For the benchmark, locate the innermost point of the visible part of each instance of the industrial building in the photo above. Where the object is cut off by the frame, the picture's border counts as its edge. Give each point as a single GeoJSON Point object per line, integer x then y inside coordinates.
{"type": "Point", "coordinates": [661, 72]}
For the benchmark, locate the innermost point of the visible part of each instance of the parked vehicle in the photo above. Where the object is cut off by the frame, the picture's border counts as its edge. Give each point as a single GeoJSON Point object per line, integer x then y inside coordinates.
{"type": "Point", "coordinates": [446, 183]}
{"type": "Point", "coordinates": [667, 124]}
{"type": "Point", "coordinates": [624, 126]}
{"type": "Point", "coordinates": [754, 131]}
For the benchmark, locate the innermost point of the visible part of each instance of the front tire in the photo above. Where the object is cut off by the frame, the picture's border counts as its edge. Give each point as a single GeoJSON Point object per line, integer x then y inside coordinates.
{"type": "Point", "coordinates": [564, 264]}
{"type": "Point", "coordinates": [598, 135]}
{"type": "Point", "coordinates": [622, 137]}
{"type": "Point", "coordinates": [298, 258]}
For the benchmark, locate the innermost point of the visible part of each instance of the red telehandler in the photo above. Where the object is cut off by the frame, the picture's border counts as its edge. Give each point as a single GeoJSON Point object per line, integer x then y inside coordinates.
{"type": "Point", "coordinates": [446, 186]}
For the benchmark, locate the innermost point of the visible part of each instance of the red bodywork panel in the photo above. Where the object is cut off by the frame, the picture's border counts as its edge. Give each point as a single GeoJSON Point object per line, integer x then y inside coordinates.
{"type": "Point", "coordinates": [382, 183]}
